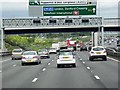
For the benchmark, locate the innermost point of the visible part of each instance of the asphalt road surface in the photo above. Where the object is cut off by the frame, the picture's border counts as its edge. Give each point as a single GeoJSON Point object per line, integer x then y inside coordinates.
{"type": "Point", "coordinates": [87, 74]}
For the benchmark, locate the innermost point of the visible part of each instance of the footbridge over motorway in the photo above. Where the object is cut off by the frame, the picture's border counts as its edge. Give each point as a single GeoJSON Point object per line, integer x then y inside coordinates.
{"type": "Point", "coordinates": [49, 25]}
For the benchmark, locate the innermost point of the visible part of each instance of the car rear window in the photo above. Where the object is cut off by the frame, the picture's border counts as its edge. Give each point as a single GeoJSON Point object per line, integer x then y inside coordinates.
{"type": "Point", "coordinates": [17, 50]}
{"type": "Point", "coordinates": [29, 53]}
{"type": "Point", "coordinates": [98, 49]}
{"type": "Point", "coordinates": [65, 53]}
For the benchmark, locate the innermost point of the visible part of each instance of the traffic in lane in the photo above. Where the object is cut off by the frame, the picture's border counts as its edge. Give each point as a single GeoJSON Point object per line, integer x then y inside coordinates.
{"type": "Point", "coordinates": [87, 74]}
{"type": "Point", "coordinates": [19, 76]}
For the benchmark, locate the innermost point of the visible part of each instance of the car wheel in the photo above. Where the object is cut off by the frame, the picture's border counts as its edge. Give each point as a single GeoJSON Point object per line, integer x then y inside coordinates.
{"type": "Point", "coordinates": [74, 65]}
{"type": "Point", "coordinates": [105, 58]}
{"type": "Point", "coordinates": [12, 58]}
{"type": "Point", "coordinates": [39, 62]}
{"type": "Point", "coordinates": [22, 64]}
{"type": "Point", "coordinates": [90, 58]}
{"type": "Point", "coordinates": [58, 65]}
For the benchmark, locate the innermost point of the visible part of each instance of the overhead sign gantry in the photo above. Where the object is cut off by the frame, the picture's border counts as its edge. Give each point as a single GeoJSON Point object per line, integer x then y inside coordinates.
{"type": "Point", "coordinates": [41, 8]}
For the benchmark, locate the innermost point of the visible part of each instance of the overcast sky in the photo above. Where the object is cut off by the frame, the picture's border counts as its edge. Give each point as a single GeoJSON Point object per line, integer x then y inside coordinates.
{"type": "Point", "coordinates": [19, 8]}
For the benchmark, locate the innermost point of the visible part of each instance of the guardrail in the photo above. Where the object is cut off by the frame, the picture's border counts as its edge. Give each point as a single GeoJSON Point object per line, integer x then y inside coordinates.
{"type": "Point", "coordinates": [113, 53]}
{"type": "Point", "coordinates": [5, 53]}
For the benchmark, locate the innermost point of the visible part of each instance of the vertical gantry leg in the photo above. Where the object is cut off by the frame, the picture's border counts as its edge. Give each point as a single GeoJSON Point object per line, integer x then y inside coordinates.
{"type": "Point", "coordinates": [102, 36]}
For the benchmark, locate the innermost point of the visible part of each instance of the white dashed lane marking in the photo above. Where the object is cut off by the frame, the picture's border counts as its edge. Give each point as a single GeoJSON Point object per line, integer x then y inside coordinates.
{"type": "Point", "coordinates": [80, 59]}
{"type": "Point", "coordinates": [34, 80]}
{"type": "Point", "coordinates": [43, 69]}
{"type": "Point", "coordinates": [83, 62]}
{"type": "Point", "coordinates": [88, 67]}
{"type": "Point", "coordinates": [96, 77]}
{"type": "Point", "coordinates": [48, 63]}
{"type": "Point", "coordinates": [14, 65]}
{"type": "Point", "coordinates": [0, 71]}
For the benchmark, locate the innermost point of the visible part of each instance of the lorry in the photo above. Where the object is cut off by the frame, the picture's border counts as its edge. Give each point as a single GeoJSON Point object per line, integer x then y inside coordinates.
{"type": "Point", "coordinates": [56, 46]}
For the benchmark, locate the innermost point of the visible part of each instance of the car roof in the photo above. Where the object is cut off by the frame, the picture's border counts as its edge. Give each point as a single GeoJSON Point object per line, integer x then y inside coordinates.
{"type": "Point", "coordinates": [30, 51]}
{"type": "Point", "coordinates": [98, 46]}
{"type": "Point", "coordinates": [65, 50]}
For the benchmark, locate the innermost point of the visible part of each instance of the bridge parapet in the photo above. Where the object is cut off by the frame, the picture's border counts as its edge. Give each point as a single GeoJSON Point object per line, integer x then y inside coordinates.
{"type": "Point", "coordinates": [111, 21]}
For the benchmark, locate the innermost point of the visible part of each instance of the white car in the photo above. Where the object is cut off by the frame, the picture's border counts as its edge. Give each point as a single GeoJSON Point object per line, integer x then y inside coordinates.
{"type": "Point", "coordinates": [66, 57]}
{"type": "Point", "coordinates": [16, 54]}
{"type": "Point", "coordinates": [52, 51]}
{"type": "Point", "coordinates": [70, 48]}
{"type": "Point", "coordinates": [30, 57]}
{"type": "Point", "coordinates": [44, 53]}
{"type": "Point", "coordinates": [98, 52]}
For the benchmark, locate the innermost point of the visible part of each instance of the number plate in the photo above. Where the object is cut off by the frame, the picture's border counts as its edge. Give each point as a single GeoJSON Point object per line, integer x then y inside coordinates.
{"type": "Point", "coordinates": [98, 52]}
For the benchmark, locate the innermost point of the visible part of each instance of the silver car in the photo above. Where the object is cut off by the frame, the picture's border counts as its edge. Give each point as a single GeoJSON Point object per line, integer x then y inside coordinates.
{"type": "Point", "coordinates": [16, 54]}
{"type": "Point", "coordinates": [30, 57]}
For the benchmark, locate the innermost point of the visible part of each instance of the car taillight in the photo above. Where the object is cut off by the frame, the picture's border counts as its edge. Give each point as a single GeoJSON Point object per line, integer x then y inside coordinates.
{"type": "Point", "coordinates": [23, 57]}
{"type": "Point", "coordinates": [73, 56]}
{"type": "Point", "coordinates": [46, 53]}
{"type": "Point", "coordinates": [35, 57]}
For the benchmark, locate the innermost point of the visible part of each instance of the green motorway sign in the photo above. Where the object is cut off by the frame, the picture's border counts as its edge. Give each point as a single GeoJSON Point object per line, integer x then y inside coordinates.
{"type": "Point", "coordinates": [69, 10]}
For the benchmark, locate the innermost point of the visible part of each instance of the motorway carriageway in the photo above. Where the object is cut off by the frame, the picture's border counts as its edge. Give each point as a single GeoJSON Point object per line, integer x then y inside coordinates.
{"type": "Point", "coordinates": [87, 74]}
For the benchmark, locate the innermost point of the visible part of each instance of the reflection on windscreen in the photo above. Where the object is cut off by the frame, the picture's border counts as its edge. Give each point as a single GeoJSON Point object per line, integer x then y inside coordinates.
{"type": "Point", "coordinates": [65, 53]}
{"type": "Point", "coordinates": [98, 49]}
{"type": "Point", "coordinates": [29, 53]}
{"type": "Point", "coordinates": [16, 50]}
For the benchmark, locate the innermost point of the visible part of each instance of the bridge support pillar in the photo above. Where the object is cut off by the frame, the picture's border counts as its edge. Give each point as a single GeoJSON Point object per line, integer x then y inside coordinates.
{"type": "Point", "coordinates": [2, 45]}
{"type": "Point", "coordinates": [96, 39]}
{"type": "Point", "coordinates": [102, 36]}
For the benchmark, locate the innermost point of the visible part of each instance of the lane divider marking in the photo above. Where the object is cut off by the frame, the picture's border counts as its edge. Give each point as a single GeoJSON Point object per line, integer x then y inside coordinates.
{"type": "Point", "coordinates": [113, 59]}
{"type": "Point", "coordinates": [34, 80]}
{"type": "Point", "coordinates": [84, 62]}
{"type": "Point", "coordinates": [80, 59]}
{"type": "Point", "coordinates": [48, 63]}
{"type": "Point", "coordinates": [43, 69]}
{"type": "Point", "coordinates": [0, 71]}
{"type": "Point", "coordinates": [96, 77]}
{"type": "Point", "coordinates": [14, 65]}
{"type": "Point", "coordinates": [52, 60]}
{"type": "Point", "coordinates": [88, 67]}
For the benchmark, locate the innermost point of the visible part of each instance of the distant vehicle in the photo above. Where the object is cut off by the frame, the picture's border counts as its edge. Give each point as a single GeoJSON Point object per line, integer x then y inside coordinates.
{"type": "Point", "coordinates": [66, 57]}
{"type": "Point", "coordinates": [70, 48]}
{"type": "Point", "coordinates": [83, 48]}
{"type": "Point", "coordinates": [30, 57]}
{"type": "Point", "coordinates": [44, 53]}
{"type": "Point", "coordinates": [98, 52]}
{"type": "Point", "coordinates": [52, 51]}
{"type": "Point", "coordinates": [63, 45]}
{"type": "Point", "coordinates": [56, 46]}
{"type": "Point", "coordinates": [16, 54]}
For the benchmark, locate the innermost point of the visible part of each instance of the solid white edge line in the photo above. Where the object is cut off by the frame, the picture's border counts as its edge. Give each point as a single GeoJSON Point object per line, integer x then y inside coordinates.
{"type": "Point", "coordinates": [113, 59]}
{"type": "Point", "coordinates": [34, 80]}
{"type": "Point", "coordinates": [43, 69]}
{"type": "Point", "coordinates": [88, 67]}
{"type": "Point", "coordinates": [96, 77]}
